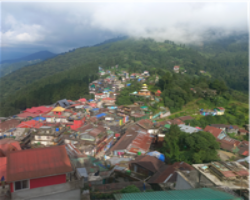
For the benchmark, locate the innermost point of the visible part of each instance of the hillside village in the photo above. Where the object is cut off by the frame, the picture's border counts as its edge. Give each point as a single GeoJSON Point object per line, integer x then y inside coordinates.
{"type": "Point", "coordinates": [96, 149]}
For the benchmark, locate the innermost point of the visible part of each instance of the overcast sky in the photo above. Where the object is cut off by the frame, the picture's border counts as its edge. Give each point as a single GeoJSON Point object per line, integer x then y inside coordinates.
{"type": "Point", "coordinates": [28, 27]}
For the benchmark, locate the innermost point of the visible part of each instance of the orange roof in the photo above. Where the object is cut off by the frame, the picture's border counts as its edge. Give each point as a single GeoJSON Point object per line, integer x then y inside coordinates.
{"type": "Point", "coordinates": [35, 163]}
{"type": "Point", "coordinates": [8, 145]}
{"type": "Point", "coordinates": [158, 91]}
{"type": "Point", "coordinates": [215, 131]}
{"type": "Point", "coordinates": [83, 100]}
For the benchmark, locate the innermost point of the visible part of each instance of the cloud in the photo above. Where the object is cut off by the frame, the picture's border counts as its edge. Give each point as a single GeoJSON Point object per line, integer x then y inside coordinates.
{"type": "Point", "coordinates": [62, 26]}
{"type": "Point", "coordinates": [183, 22]}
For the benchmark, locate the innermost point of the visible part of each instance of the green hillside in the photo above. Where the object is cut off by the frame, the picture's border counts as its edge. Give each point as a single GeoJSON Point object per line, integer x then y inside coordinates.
{"type": "Point", "coordinates": [21, 88]}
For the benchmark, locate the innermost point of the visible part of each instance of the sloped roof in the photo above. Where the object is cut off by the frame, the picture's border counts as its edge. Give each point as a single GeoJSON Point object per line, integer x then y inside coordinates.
{"type": "Point", "coordinates": [148, 162]}
{"type": "Point", "coordinates": [58, 109]}
{"type": "Point", "coordinates": [27, 114]}
{"type": "Point", "coordinates": [40, 109]}
{"type": "Point", "coordinates": [197, 194]}
{"type": "Point", "coordinates": [12, 123]}
{"type": "Point", "coordinates": [184, 118]}
{"type": "Point", "coordinates": [168, 172]}
{"type": "Point", "coordinates": [145, 123]}
{"type": "Point", "coordinates": [8, 145]}
{"type": "Point", "coordinates": [30, 124]}
{"type": "Point", "coordinates": [35, 163]}
{"type": "Point", "coordinates": [214, 131]}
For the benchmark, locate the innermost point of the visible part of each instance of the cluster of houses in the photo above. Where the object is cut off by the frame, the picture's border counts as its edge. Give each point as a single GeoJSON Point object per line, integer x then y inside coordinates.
{"type": "Point", "coordinates": [215, 111]}
{"type": "Point", "coordinates": [70, 149]}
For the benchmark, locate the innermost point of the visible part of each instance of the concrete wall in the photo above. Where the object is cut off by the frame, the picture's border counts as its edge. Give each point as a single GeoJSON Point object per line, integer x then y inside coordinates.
{"type": "Point", "coordinates": [48, 192]}
{"type": "Point", "coordinates": [72, 195]}
{"type": "Point", "coordinates": [182, 184]}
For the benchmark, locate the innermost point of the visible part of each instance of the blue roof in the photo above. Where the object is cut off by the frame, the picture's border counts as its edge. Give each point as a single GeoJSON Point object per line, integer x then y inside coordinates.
{"type": "Point", "coordinates": [95, 109]}
{"type": "Point", "coordinates": [128, 84]}
{"type": "Point", "coordinates": [91, 100]}
{"type": "Point", "coordinates": [39, 118]}
{"type": "Point", "coordinates": [101, 115]}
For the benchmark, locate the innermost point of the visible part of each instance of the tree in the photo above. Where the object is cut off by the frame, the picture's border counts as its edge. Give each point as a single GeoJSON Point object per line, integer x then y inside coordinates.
{"type": "Point", "coordinates": [130, 189]}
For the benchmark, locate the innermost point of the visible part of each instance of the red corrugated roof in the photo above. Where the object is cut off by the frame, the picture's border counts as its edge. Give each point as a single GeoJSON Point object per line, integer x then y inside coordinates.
{"type": "Point", "coordinates": [214, 131]}
{"type": "Point", "coordinates": [27, 114]}
{"type": "Point", "coordinates": [35, 163]}
{"type": "Point", "coordinates": [30, 124]}
{"type": "Point", "coordinates": [108, 98]}
{"type": "Point", "coordinates": [40, 109]}
{"type": "Point", "coordinates": [3, 162]}
{"type": "Point", "coordinates": [82, 100]}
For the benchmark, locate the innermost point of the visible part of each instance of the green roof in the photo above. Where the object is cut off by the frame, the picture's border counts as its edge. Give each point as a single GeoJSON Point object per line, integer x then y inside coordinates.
{"type": "Point", "coordinates": [144, 107]}
{"type": "Point", "coordinates": [197, 194]}
{"type": "Point", "coordinates": [167, 125]}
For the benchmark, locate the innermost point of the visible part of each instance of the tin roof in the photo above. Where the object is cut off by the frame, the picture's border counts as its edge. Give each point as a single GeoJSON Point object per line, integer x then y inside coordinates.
{"type": "Point", "coordinates": [188, 129]}
{"type": "Point", "coordinates": [8, 124]}
{"type": "Point", "coordinates": [35, 163]}
{"type": "Point", "coordinates": [168, 173]}
{"type": "Point", "coordinates": [197, 194]}
{"type": "Point", "coordinates": [150, 163]}
{"type": "Point", "coordinates": [214, 131]}
{"type": "Point", "coordinates": [145, 123]}
{"type": "Point", "coordinates": [8, 144]}
{"type": "Point", "coordinates": [184, 118]}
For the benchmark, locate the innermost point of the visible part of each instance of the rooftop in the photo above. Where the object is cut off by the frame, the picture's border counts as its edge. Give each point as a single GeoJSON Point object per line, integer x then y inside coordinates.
{"type": "Point", "coordinates": [222, 174]}
{"type": "Point", "coordinates": [188, 129]}
{"type": "Point", "coordinates": [35, 163]}
{"type": "Point", "coordinates": [197, 194]}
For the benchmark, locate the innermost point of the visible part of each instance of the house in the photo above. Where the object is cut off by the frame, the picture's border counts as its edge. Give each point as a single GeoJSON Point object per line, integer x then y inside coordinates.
{"type": "Point", "coordinates": [158, 93]}
{"type": "Point", "coordinates": [45, 135]}
{"type": "Point", "coordinates": [200, 193]}
{"type": "Point", "coordinates": [133, 141]}
{"type": "Point", "coordinates": [148, 125]}
{"type": "Point", "coordinates": [21, 135]}
{"type": "Point", "coordinates": [229, 144]}
{"type": "Point", "coordinates": [8, 145]}
{"type": "Point", "coordinates": [216, 132]}
{"type": "Point", "coordinates": [63, 103]}
{"type": "Point", "coordinates": [30, 124]}
{"type": "Point", "coordinates": [243, 148]}
{"type": "Point", "coordinates": [176, 69]}
{"type": "Point", "coordinates": [38, 110]}
{"type": "Point", "coordinates": [230, 175]}
{"type": "Point", "coordinates": [50, 176]}
{"type": "Point", "coordinates": [146, 165]}
{"type": "Point", "coordinates": [100, 96]}
{"type": "Point", "coordinates": [220, 110]}
{"type": "Point", "coordinates": [7, 125]}
{"type": "Point", "coordinates": [243, 132]}
{"type": "Point", "coordinates": [108, 100]}
{"type": "Point", "coordinates": [175, 121]}
{"type": "Point", "coordinates": [188, 129]}
{"type": "Point", "coordinates": [227, 128]}
{"type": "Point", "coordinates": [166, 176]}
{"type": "Point", "coordinates": [185, 118]}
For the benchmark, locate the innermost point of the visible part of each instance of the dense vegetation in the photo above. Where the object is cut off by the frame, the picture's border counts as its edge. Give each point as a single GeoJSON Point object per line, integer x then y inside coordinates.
{"type": "Point", "coordinates": [134, 55]}
{"type": "Point", "coordinates": [200, 147]}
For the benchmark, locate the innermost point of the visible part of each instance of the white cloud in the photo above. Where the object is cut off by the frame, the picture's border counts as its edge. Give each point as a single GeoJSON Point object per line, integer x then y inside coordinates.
{"type": "Point", "coordinates": [69, 25]}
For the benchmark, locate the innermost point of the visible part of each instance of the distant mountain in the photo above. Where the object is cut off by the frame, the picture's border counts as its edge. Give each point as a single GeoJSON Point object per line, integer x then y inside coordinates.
{"type": "Point", "coordinates": [41, 55]}
{"type": "Point", "coordinates": [61, 77]}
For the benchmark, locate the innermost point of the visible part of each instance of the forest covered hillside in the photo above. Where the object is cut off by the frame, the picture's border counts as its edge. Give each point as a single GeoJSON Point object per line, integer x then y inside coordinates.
{"type": "Point", "coordinates": [226, 61]}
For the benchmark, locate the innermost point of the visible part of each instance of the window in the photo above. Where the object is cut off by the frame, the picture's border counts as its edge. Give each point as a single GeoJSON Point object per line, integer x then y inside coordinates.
{"type": "Point", "coordinates": [20, 185]}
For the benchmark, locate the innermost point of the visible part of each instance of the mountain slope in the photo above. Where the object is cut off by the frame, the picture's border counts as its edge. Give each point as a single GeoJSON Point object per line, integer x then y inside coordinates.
{"type": "Point", "coordinates": [41, 55]}
{"type": "Point", "coordinates": [135, 55]}
{"type": "Point", "coordinates": [9, 66]}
